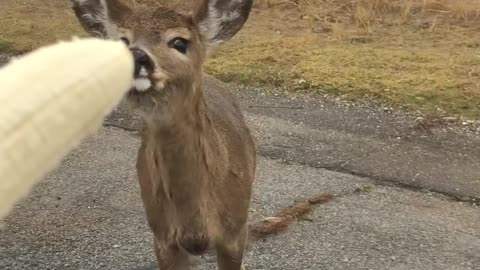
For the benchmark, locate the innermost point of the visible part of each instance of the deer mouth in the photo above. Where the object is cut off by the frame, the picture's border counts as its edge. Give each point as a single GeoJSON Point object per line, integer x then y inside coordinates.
{"type": "Point", "coordinates": [142, 89]}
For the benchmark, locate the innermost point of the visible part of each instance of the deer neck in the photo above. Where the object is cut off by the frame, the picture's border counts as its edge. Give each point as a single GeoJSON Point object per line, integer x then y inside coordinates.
{"type": "Point", "coordinates": [178, 143]}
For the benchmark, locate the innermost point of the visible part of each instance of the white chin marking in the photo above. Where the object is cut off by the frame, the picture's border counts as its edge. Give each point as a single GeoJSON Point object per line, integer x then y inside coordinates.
{"type": "Point", "coordinates": [142, 84]}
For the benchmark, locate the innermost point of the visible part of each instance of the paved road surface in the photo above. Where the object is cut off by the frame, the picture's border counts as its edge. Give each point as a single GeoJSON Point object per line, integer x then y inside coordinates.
{"type": "Point", "coordinates": [418, 210]}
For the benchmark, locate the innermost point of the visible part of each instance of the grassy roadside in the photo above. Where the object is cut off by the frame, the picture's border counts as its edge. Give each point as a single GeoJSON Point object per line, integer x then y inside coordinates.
{"type": "Point", "coordinates": [435, 81]}
{"type": "Point", "coordinates": [28, 24]}
{"type": "Point", "coordinates": [421, 54]}
{"type": "Point", "coordinates": [414, 56]}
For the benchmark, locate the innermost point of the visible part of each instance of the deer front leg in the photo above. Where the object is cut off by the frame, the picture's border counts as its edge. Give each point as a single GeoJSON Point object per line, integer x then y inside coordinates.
{"type": "Point", "coordinates": [171, 257]}
{"type": "Point", "coordinates": [230, 252]}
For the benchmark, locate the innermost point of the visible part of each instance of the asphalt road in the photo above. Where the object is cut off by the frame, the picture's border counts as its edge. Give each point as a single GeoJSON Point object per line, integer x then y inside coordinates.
{"type": "Point", "coordinates": [88, 215]}
{"type": "Point", "coordinates": [418, 210]}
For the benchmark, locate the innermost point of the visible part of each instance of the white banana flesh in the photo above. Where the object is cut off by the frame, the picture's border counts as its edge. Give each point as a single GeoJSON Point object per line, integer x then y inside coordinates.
{"type": "Point", "coordinates": [50, 100]}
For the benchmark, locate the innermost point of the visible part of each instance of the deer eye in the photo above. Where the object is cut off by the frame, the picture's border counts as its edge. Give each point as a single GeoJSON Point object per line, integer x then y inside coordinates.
{"type": "Point", "coordinates": [179, 44]}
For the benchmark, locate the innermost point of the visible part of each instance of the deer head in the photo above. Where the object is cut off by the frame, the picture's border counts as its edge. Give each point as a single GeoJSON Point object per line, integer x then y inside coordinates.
{"type": "Point", "coordinates": [169, 47]}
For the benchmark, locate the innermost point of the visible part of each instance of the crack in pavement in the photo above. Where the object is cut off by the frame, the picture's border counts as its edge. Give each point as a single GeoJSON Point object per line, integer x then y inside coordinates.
{"type": "Point", "coordinates": [120, 126]}
{"type": "Point", "coordinates": [353, 141]}
{"type": "Point", "coordinates": [340, 167]}
{"type": "Point", "coordinates": [345, 163]}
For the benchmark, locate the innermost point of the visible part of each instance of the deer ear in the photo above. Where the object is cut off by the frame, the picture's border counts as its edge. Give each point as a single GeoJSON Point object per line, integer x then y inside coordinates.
{"type": "Point", "coordinates": [220, 20]}
{"type": "Point", "coordinates": [100, 17]}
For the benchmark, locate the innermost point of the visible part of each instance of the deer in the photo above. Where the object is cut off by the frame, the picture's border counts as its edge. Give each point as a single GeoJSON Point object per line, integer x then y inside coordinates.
{"type": "Point", "coordinates": [197, 159]}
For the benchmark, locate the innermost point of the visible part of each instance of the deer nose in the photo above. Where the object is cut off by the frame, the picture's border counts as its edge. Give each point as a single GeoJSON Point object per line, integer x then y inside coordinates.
{"type": "Point", "coordinates": [142, 60]}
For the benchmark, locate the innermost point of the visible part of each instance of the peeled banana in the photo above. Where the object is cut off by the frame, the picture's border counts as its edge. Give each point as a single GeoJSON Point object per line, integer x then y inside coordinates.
{"type": "Point", "coordinates": [51, 99]}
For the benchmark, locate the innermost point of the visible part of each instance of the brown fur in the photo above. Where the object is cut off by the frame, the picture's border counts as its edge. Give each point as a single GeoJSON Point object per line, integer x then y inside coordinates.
{"type": "Point", "coordinates": [196, 164]}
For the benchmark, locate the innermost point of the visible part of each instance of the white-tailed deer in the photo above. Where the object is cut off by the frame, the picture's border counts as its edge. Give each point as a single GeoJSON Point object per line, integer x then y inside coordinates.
{"type": "Point", "coordinates": [196, 164]}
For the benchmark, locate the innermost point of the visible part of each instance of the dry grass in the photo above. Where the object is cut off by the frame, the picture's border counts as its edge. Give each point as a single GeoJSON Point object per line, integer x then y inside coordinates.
{"type": "Point", "coordinates": [368, 12]}
{"type": "Point", "coordinates": [423, 54]}
{"type": "Point", "coordinates": [279, 222]}
{"type": "Point", "coordinates": [25, 25]}
{"type": "Point", "coordinates": [430, 79]}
